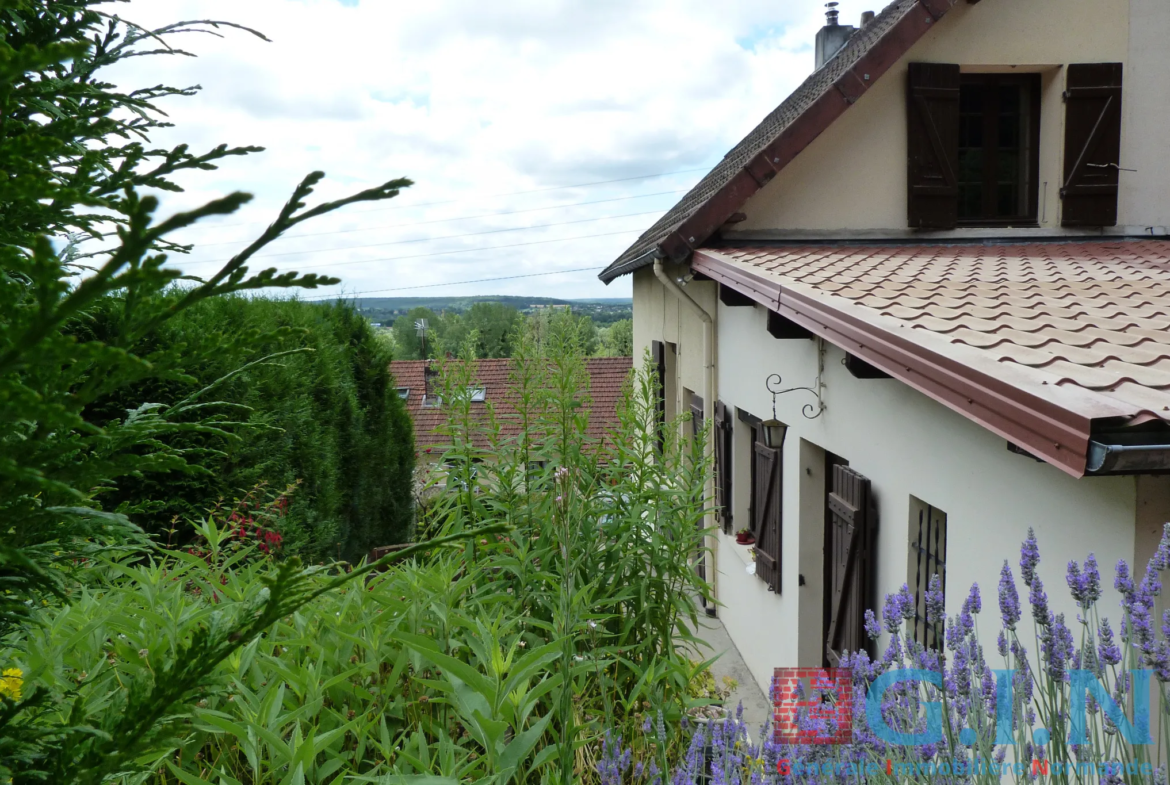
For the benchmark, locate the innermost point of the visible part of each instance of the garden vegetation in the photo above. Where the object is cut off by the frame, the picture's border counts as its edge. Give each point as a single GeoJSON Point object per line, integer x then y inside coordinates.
{"type": "Point", "coordinates": [549, 604]}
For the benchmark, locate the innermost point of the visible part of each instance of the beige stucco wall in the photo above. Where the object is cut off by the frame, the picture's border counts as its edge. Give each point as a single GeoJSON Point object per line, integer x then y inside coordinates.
{"type": "Point", "coordinates": [907, 445]}
{"type": "Point", "coordinates": [853, 177]}
{"type": "Point", "coordinates": [1145, 194]}
{"type": "Point", "coordinates": [659, 316]}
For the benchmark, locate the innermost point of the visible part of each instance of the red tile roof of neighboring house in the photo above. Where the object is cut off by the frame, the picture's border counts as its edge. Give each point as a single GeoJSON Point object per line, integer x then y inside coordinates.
{"type": "Point", "coordinates": [1034, 341]}
{"type": "Point", "coordinates": [782, 135]}
{"type": "Point", "coordinates": [606, 377]}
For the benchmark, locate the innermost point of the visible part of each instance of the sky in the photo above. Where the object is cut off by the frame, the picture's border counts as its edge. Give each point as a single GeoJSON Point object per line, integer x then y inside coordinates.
{"type": "Point", "coordinates": [543, 136]}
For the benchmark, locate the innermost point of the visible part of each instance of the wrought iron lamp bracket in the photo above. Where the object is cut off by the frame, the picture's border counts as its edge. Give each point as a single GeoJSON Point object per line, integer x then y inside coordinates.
{"type": "Point", "coordinates": [773, 384]}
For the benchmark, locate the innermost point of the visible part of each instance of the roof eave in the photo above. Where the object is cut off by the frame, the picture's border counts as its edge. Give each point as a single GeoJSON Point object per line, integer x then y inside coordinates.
{"type": "Point", "coordinates": [1044, 428]}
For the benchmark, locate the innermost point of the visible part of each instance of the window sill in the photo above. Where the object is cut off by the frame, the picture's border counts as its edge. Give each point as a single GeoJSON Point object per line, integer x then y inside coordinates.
{"type": "Point", "coordinates": [742, 552]}
{"type": "Point", "coordinates": [1028, 223]}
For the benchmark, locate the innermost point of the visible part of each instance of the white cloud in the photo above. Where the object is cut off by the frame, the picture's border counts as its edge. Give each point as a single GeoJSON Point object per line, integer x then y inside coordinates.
{"type": "Point", "coordinates": [471, 100]}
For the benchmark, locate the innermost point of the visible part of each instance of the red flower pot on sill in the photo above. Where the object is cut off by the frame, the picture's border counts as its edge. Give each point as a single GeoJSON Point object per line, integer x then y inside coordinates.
{"type": "Point", "coordinates": [745, 538]}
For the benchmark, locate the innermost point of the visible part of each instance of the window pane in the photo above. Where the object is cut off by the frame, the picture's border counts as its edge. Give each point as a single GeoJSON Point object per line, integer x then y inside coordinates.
{"type": "Point", "coordinates": [996, 135]}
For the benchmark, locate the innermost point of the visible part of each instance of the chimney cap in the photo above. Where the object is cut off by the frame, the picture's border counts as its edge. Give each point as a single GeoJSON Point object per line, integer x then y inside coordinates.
{"type": "Point", "coordinates": [866, 17]}
{"type": "Point", "coordinates": [832, 13]}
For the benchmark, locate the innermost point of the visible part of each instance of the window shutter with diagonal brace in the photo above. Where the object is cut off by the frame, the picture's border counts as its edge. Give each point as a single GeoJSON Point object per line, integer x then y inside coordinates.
{"type": "Point", "coordinates": [766, 511]}
{"type": "Point", "coordinates": [1092, 144]}
{"type": "Point", "coordinates": [848, 562]}
{"type": "Point", "coordinates": [932, 109]}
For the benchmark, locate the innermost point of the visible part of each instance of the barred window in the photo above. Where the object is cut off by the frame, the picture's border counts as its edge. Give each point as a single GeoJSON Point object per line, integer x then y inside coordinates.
{"type": "Point", "coordinates": [928, 557]}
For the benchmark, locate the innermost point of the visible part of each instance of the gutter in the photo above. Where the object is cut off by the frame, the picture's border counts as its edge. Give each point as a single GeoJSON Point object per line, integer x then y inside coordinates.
{"type": "Point", "coordinates": [708, 407]}
{"type": "Point", "coordinates": [1127, 458]}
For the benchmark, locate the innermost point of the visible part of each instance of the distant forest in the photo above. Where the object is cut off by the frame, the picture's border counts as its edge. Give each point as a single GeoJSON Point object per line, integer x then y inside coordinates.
{"type": "Point", "coordinates": [385, 310]}
{"type": "Point", "coordinates": [419, 327]}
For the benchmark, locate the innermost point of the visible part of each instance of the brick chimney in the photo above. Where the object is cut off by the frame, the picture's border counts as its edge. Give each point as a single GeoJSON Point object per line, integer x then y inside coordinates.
{"type": "Point", "coordinates": [832, 36]}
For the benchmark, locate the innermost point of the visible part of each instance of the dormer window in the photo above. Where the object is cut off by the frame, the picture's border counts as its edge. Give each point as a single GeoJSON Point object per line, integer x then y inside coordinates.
{"type": "Point", "coordinates": [974, 146]}
{"type": "Point", "coordinates": [999, 134]}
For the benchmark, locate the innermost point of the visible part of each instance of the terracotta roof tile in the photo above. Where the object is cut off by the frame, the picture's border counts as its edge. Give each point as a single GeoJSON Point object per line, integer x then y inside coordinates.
{"type": "Point", "coordinates": [607, 376]}
{"type": "Point", "coordinates": [1089, 315]}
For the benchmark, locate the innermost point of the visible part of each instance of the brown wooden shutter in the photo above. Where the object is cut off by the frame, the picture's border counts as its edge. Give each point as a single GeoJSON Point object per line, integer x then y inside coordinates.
{"type": "Point", "coordinates": [932, 106]}
{"type": "Point", "coordinates": [766, 514]}
{"type": "Point", "coordinates": [723, 436]}
{"type": "Point", "coordinates": [696, 415]}
{"type": "Point", "coordinates": [848, 562]}
{"type": "Point", "coordinates": [658, 350]}
{"type": "Point", "coordinates": [1092, 144]}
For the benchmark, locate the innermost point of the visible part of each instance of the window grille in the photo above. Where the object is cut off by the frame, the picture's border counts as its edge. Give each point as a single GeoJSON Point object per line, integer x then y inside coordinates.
{"type": "Point", "coordinates": [928, 557]}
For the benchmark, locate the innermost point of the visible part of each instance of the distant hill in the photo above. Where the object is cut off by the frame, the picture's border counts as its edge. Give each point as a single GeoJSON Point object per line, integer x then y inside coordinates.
{"type": "Point", "coordinates": [386, 309]}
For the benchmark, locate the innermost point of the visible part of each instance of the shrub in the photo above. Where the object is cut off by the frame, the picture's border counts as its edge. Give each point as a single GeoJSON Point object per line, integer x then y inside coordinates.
{"type": "Point", "coordinates": [328, 418]}
{"type": "Point", "coordinates": [503, 659]}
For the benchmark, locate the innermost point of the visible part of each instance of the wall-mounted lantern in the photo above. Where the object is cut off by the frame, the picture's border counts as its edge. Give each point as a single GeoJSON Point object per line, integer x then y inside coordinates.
{"type": "Point", "coordinates": [774, 430]}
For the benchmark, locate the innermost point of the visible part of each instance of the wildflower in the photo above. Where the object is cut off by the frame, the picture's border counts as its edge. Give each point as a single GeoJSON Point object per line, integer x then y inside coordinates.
{"type": "Point", "coordinates": [973, 603]}
{"type": "Point", "coordinates": [1108, 651]}
{"type": "Point", "coordinates": [1161, 560]}
{"type": "Point", "coordinates": [1085, 585]}
{"type": "Point", "coordinates": [1029, 558]}
{"type": "Point", "coordinates": [871, 625]}
{"type": "Point", "coordinates": [1057, 648]}
{"type": "Point", "coordinates": [1123, 583]}
{"type": "Point", "coordinates": [1009, 599]}
{"type": "Point", "coordinates": [1039, 600]}
{"type": "Point", "coordinates": [11, 680]}
{"type": "Point", "coordinates": [935, 601]}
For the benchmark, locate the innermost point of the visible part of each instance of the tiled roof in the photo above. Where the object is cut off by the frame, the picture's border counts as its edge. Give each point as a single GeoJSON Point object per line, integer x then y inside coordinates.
{"type": "Point", "coordinates": [606, 377]}
{"type": "Point", "coordinates": [1084, 326]}
{"type": "Point", "coordinates": [822, 97]}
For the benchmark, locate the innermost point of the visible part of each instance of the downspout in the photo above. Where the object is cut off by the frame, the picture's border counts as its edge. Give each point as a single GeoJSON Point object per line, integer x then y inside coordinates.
{"type": "Point", "coordinates": [708, 409]}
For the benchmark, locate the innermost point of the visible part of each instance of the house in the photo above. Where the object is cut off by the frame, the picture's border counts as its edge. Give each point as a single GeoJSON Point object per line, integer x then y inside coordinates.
{"type": "Point", "coordinates": [417, 382]}
{"type": "Point", "coordinates": [951, 240]}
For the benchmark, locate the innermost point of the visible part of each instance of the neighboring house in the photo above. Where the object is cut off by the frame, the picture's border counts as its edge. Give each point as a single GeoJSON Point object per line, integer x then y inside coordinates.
{"type": "Point", "coordinates": [417, 382]}
{"type": "Point", "coordinates": [952, 234]}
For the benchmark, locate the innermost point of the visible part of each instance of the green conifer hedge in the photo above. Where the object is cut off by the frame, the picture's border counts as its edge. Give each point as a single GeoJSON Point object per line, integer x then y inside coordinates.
{"type": "Point", "coordinates": [328, 418]}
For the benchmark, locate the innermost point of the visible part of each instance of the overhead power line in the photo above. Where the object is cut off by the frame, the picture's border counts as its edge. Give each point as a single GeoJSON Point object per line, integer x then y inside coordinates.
{"type": "Point", "coordinates": [510, 193]}
{"type": "Point", "coordinates": [461, 218]}
{"type": "Point", "coordinates": [452, 283]}
{"type": "Point", "coordinates": [432, 239]}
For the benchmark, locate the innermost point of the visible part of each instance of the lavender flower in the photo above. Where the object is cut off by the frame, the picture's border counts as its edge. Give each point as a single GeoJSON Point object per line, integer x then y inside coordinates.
{"type": "Point", "coordinates": [935, 601]}
{"type": "Point", "coordinates": [1123, 583]}
{"type": "Point", "coordinates": [906, 602]}
{"type": "Point", "coordinates": [1009, 600]}
{"type": "Point", "coordinates": [1085, 585]}
{"type": "Point", "coordinates": [1039, 601]}
{"type": "Point", "coordinates": [1107, 651]}
{"type": "Point", "coordinates": [1161, 560]}
{"type": "Point", "coordinates": [1029, 558]}
{"type": "Point", "coordinates": [973, 603]}
{"type": "Point", "coordinates": [614, 762]}
{"type": "Point", "coordinates": [871, 625]}
{"type": "Point", "coordinates": [1057, 647]}
{"type": "Point", "coordinates": [892, 613]}
{"type": "Point", "coordinates": [1002, 644]}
